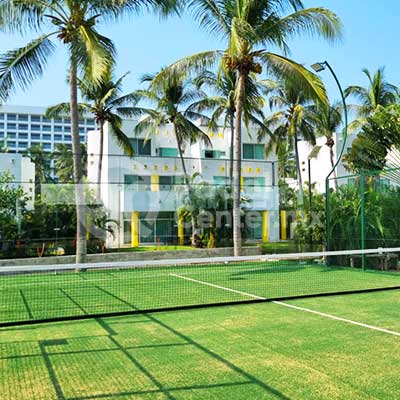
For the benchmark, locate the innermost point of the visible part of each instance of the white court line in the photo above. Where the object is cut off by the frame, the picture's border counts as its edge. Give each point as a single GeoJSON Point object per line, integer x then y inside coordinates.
{"type": "Point", "coordinates": [308, 310]}
{"type": "Point", "coordinates": [218, 287]}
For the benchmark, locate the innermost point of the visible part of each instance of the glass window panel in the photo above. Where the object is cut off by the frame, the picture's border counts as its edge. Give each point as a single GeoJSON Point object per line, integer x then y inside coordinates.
{"type": "Point", "coordinates": [168, 152]}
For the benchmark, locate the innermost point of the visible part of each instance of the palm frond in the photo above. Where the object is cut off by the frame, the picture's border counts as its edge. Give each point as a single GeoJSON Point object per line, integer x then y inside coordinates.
{"type": "Point", "coordinates": [20, 67]}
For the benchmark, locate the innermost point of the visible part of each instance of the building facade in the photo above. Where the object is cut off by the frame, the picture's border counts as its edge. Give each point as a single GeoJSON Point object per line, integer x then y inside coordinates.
{"type": "Point", "coordinates": [22, 127]}
{"type": "Point", "coordinates": [143, 193]}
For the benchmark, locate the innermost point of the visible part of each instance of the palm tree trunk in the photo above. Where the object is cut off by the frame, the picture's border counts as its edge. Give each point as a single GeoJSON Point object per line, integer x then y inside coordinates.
{"type": "Point", "coordinates": [232, 126]}
{"type": "Point", "coordinates": [81, 245]}
{"type": "Point", "coordinates": [299, 177]}
{"type": "Point", "coordinates": [237, 164]}
{"type": "Point", "coordinates": [186, 176]}
{"type": "Point", "coordinates": [100, 167]}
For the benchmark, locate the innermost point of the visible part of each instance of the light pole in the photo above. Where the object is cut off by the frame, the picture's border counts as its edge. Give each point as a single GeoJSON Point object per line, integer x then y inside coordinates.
{"type": "Point", "coordinates": [319, 67]}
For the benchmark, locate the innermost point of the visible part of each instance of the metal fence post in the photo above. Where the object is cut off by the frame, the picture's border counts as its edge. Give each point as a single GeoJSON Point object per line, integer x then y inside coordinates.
{"type": "Point", "coordinates": [362, 217]}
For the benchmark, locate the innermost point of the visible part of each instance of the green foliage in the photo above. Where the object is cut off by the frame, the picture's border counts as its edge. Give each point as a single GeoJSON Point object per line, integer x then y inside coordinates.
{"type": "Point", "coordinates": [63, 162]}
{"type": "Point", "coordinates": [379, 134]}
{"type": "Point", "coordinates": [13, 202]}
{"type": "Point", "coordinates": [382, 205]}
{"type": "Point", "coordinates": [379, 93]}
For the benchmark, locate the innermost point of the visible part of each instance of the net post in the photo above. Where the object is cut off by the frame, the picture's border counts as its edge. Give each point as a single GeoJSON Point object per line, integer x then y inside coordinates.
{"type": "Point", "coordinates": [362, 217]}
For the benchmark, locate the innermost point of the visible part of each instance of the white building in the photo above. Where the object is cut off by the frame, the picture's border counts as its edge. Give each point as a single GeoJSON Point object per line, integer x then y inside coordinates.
{"type": "Point", "coordinates": [22, 127]}
{"type": "Point", "coordinates": [143, 193]}
{"type": "Point", "coordinates": [23, 171]}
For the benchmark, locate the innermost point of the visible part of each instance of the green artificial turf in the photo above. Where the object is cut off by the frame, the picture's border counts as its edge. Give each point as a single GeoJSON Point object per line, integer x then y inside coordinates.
{"type": "Point", "coordinates": [259, 351]}
{"type": "Point", "coordinates": [66, 294]}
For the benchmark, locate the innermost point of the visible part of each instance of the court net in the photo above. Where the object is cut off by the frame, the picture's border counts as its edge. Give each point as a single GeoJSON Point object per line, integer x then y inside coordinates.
{"type": "Point", "coordinates": [35, 294]}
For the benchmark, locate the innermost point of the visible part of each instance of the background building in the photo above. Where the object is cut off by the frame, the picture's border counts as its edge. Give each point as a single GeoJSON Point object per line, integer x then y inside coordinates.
{"type": "Point", "coordinates": [22, 127]}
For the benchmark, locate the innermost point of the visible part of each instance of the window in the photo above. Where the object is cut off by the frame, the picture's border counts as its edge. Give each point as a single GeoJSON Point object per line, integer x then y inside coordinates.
{"type": "Point", "coordinates": [58, 128]}
{"type": "Point", "coordinates": [58, 137]}
{"type": "Point", "coordinates": [11, 126]}
{"type": "Point", "coordinates": [221, 180]}
{"type": "Point", "coordinates": [90, 122]}
{"type": "Point", "coordinates": [168, 183]}
{"type": "Point", "coordinates": [1, 125]}
{"type": "Point", "coordinates": [11, 117]}
{"type": "Point", "coordinates": [23, 117]}
{"type": "Point", "coordinates": [139, 183]}
{"type": "Point", "coordinates": [35, 136]}
{"type": "Point", "coordinates": [11, 135]}
{"type": "Point", "coordinates": [253, 151]}
{"type": "Point", "coordinates": [11, 144]}
{"type": "Point", "coordinates": [23, 145]}
{"type": "Point", "coordinates": [46, 128]}
{"type": "Point", "coordinates": [140, 148]}
{"type": "Point", "coordinates": [58, 121]}
{"type": "Point", "coordinates": [47, 146]}
{"type": "Point", "coordinates": [22, 135]}
{"type": "Point", "coordinates": [1, 134]}
{"type": "Point", "coordinates": [35, 118]}
{"type": "Point", "coordinates": [168, 152]}
{"type": "Point", "coordinates": [213, 154]}
{"type": "Point", "coordinates": [44, 119]}
{"type": "Point", "coordinates": [82, 130]}
{"type": "Point", "coordinates": [36, 127]}
{"type": "Point", "coordinates": [254, 184]}
{"type": "Point", "coordinates": [46, 137]}
{"type": "Point", "coordinates": [67, 138]}
{"type": "Point", "coordinates": [82, 139]}
{"type": "Point", "coordinates": [1, 117]}
{"type": "Point", "coordinates": [23, 127]}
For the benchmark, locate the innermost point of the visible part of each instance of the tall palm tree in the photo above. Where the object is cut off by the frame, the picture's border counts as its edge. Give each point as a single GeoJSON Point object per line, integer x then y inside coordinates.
{"type": "Point", "coordinates": [250, 28]}
{"type": "Point", "coordinates": [63, 162]}
{"type": "Point", "coordinates": [290, 123]}
{"type": "Point", "coordinates": [327, 120]}
{"type": "Point", "coordinates": [101, 100]}
{"type": "Point", "coordinates": [222, 104]}
{"type": "Point", "coordinates": [73, 24]}
{"type": "Point", "coordinates": [378, 93]}
{"type": "Point", "coordinates": [169, 101]}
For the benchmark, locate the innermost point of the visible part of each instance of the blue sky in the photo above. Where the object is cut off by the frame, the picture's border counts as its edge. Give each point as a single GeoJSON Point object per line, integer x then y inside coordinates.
{"type": "Point", "coordinates": [145, 44]}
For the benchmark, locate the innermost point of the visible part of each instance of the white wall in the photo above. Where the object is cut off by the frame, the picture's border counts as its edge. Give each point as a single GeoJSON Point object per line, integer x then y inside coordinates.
{"type": "Point", "coordinates": [320, 166]}
{"type": "Point", "coordinates": [23, 171]}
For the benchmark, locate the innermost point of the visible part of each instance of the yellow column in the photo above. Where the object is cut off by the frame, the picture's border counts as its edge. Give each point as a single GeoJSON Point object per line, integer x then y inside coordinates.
{"type": "Point", "coordinates": [242, 184]}
{"type": "Point", "coordinates": [265, 233]}
{"type": "Point", "coordinates": [155, 180]}
{"type": "Point", "coordinates": [135, 229]}
{"type": "Point", "coordinates": [283, 225]}
{"type": "Point", "coordinates": [181, 232]}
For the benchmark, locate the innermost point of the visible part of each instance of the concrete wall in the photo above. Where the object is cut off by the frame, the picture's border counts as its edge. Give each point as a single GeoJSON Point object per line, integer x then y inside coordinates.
{"type": "Point", "coordinates": [133, 256]}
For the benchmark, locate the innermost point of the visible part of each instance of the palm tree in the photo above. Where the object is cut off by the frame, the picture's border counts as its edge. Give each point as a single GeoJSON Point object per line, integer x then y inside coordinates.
{"type": "Point", "coordinates": [42, 161]}
{"type": "Point", "coordinates": [222, 103]}
{"type": "Point", "coordinates": [327, 120]}
{"type": "Point", "coordinates": [101, 100]}
{"type": "Point", "coordinates": [378, 93]}
{"type": "Point", "coordinates": [63, 162]}
{"type": "Point", "coordinates": [291, 123]}
{"type": "Point", "coordinates": [251, 28]}
{"type": "Point", "coordinates": [169, 100]}
{"type": "Point", "coordinates": [73, 24]}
